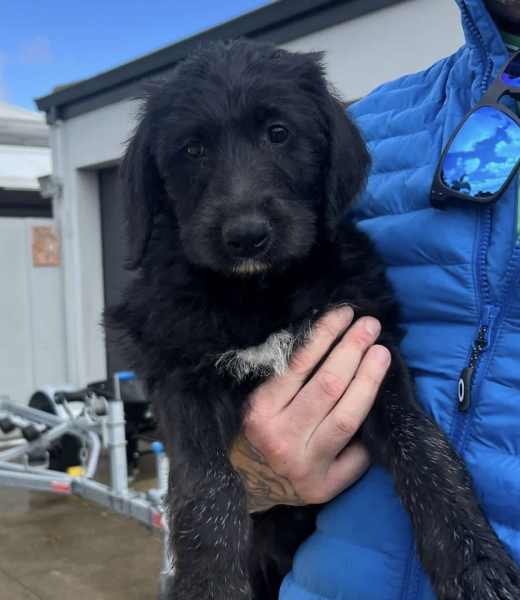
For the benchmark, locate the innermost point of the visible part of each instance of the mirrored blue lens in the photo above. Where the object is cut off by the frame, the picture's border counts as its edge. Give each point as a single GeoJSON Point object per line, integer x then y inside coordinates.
{"type": "Point", "coordinates": [511, 74]}
{"type": "Point", "coordinates": [483, 154]}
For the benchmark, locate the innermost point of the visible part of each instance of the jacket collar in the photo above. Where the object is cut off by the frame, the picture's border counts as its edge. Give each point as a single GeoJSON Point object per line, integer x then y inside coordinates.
{"type": "Point", "coordinates": [486, 51]}
{"type": "Point", "coordinates": [482, 34]}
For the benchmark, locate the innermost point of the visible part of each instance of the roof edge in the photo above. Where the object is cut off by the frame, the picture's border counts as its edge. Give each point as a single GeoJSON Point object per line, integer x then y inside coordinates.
{"type": "Point", "coordinates": [279, 22]}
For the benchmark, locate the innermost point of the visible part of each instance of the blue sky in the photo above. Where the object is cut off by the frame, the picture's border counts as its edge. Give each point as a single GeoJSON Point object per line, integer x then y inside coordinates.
{"type": "Point", "coordinates": [44, 43]}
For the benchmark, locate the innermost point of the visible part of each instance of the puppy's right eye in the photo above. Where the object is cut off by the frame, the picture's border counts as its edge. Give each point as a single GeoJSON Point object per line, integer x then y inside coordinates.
{"type": "Point", "coordinates": [278, 134]}
{"type": "Point", "coordinates": [195, 149]}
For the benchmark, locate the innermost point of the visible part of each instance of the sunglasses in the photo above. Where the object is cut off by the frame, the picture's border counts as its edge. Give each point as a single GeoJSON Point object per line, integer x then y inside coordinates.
{"type": "Point", "coordinates": [483, 155]}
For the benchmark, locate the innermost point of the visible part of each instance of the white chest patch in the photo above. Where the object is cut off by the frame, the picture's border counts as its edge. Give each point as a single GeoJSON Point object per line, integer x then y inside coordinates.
{"type": "Point", "coordinates": [270, 358]}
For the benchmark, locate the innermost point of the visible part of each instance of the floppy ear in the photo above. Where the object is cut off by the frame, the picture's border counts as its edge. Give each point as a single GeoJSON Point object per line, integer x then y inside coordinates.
{"type": "Point", "coordinates": [349, 162]}
{"type": "Point", "coordinates": [141, 188]}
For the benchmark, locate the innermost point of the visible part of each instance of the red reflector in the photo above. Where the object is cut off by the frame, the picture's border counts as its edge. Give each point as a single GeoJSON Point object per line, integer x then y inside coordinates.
{"type": "Point", "coordinates": [61, 487]}
{"type": "Point", "coordinates": [158, 521]}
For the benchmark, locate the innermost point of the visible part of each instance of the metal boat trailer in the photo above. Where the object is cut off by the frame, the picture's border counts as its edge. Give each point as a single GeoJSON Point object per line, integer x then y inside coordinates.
{"type": "Point", "coordinates": [98, 421]}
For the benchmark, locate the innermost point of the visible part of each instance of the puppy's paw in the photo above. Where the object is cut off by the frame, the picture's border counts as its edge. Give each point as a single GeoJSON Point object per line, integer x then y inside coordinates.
{"type": "Point", "coordinates": [487, 579]}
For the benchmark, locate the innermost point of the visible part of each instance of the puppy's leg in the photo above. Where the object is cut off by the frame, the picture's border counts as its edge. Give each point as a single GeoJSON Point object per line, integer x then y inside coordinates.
{"type": "Point", "coordinates": [209, 523]}
{"type": "Point", "coordinates": [459, 550]}
{"type": "Point", "coordinates": [277, 534]}
{"type": "Point", "coordinates": [209, 532]}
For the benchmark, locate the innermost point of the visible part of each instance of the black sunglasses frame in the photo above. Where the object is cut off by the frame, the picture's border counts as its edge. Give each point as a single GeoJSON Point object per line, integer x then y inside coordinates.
{"type": "Point", "coordinates": [441, 194]}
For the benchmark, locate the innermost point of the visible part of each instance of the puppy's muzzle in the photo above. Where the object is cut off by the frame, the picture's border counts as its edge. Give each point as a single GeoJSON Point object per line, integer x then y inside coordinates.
{"type": "Point", "coordinates": [247, 237]}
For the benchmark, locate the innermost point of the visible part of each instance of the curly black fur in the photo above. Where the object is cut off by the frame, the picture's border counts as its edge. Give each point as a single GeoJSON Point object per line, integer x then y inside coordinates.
{"type": "Point", "coordinates": [245, 137]}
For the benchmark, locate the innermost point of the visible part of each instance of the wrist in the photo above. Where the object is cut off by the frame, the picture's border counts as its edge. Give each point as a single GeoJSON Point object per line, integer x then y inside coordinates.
{"type": "Point", "coordinates": [265, 488]}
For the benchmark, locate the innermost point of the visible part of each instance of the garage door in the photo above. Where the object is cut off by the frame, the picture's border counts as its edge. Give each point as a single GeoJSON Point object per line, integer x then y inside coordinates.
{"type": "Point", "coordinates": [115, 276]}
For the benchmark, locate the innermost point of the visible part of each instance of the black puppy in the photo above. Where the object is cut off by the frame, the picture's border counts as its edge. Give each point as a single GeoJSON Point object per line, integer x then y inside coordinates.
{"type": "Point", "coordinates": [237, 180]}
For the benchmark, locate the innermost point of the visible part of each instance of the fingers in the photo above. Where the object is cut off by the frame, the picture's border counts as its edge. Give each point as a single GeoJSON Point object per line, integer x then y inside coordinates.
{"type": "Point", "coordinates": [275, 394]}
{"type": "Point", "coordinates": [304, 435]}
{"type": "Point", "coordinates": [318, 397]}
{"type": "Point", "coordinates": [348, 467]}
{"type": "Point", "coordinates": [343, 421]}
{"type": "Point", "coordinates": [336, 476]}
{"type": "Point", "coordinates": [324, 333]}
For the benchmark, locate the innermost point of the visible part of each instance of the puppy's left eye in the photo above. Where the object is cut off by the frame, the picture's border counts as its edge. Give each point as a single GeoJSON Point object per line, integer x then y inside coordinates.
{"type": "Point", "coordinates": [195, 149]}
{"type": "Point", "coordinates": [278, 134]}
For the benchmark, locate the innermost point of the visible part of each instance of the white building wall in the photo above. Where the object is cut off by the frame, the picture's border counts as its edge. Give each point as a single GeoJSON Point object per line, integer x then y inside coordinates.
{"type": "Point", "coordinates": [32, 332]}
{"type": "Point", "coordinates": [361, 54]}
{"type": "Point", "coordinates": [383, 45]}
{"type": "Point", "coordinates": [80, 146]}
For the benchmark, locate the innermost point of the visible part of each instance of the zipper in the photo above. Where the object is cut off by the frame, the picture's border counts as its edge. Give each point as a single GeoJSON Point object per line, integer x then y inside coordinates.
{"type": "Point", "coordinates": [484, 289]}
{"type": "Point", "coordinates": [493, 318]}
{"type": "Point", "coordinates": [466, 388]}
{"type": "Point", "coordinates": [481, 343]}
{"type": "Point", "coordinates": [466, 375]}
{"type": "Point", "coordinates": [482, 339]}
{"type": "Point", "coordinates": [488, 64]}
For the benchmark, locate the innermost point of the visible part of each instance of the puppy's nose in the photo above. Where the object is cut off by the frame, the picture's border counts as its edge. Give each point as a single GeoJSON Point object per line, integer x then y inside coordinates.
{"type": "Point", "coordinates": [247, 237]}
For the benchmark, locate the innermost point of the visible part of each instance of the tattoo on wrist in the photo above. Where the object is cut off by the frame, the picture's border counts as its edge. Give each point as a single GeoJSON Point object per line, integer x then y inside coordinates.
{"type": "Point", "coordinates": [265, 488]}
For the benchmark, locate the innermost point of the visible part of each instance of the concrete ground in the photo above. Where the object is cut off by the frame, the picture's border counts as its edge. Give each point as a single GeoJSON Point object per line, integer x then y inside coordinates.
{"type": "Point", "coordinates": [64, 548]}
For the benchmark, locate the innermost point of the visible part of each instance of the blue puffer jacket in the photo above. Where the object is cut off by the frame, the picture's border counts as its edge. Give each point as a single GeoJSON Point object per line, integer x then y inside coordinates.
{"type": "Point", "coordinates": [453, 271]}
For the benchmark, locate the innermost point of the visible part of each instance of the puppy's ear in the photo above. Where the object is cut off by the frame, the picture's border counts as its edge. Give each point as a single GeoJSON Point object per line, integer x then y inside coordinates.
{"type": "Point", "coordinates": [349, 162]}
{"type": "Point", "coordinates": [141, 188]}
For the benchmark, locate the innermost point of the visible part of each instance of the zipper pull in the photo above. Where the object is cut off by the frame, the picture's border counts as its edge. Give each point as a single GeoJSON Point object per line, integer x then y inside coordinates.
{"type": "Point", "coordinates": [466, 375]}
{"type": "Point", "coordinates": [464, 388]}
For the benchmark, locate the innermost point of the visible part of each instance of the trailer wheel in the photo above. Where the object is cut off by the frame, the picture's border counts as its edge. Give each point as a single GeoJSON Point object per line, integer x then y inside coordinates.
{"type": "Point", "coordinates": [65, 452]}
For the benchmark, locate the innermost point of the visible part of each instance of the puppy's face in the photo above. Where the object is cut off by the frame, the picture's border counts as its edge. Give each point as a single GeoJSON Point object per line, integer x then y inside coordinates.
{"type": "Point", "coordinates": [240, 145]}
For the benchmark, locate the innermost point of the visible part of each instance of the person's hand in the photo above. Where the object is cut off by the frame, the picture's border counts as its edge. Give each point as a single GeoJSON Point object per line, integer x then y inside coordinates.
{"type": "Point", "coordinates": [296, 445]}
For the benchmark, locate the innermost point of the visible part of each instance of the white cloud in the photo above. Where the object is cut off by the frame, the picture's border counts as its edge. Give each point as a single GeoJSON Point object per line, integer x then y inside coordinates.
{"type": "Point", "coordinates": [509, 150]}
{"type": "Point", "coordinates": [471, 165]}
{"type": "Point", "coordinates": [499, 168]}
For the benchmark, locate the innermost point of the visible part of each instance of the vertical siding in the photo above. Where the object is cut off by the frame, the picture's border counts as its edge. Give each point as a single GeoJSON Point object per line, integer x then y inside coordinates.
{"type": "Point", "coordinates": [32, 337]}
